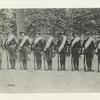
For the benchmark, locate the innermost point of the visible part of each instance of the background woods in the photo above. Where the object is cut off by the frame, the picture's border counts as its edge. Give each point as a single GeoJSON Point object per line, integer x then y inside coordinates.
{"type": "Point", "coordinates": [42, 20]}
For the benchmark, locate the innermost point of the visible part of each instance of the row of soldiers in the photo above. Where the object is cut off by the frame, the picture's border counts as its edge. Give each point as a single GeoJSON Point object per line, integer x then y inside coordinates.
{"type": "Point", "coordinates": [47, 46]}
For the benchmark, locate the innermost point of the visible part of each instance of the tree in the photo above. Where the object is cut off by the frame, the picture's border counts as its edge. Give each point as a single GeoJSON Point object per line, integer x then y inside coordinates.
{"type": "Point", "coordinates": [20, 20]}
{"type": "Point", "coordinates": [42, 20]}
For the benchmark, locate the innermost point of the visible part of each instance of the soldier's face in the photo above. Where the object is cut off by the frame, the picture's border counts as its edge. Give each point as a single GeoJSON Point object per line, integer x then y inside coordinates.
{"type": "Point", "coordinates": [75, 35]}
{"type": "Point", "coordinates": [22, 35]}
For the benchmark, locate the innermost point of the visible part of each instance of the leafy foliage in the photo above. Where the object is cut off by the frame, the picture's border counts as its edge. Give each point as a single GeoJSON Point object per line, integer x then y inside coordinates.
{"type": "Point", "coordinates": [81, 20]}
{"type": "Point", "coordinates": [7, 21]}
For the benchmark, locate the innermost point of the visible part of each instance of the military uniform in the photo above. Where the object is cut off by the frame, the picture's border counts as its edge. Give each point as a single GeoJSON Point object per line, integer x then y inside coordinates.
{"type": "Point", "coordinates": [37, 48]}
{"type": "Point", "coordinates": [48, 44]}
{"type": "Point", "coordinates": [62, 50]}
{"type": "Point", "coordinates": [24, 44]}
{"type": "Point", "coordinates": [89, 47]}
{"type": "Point", "coordinates": [75, 50]}
{"type": "Point", "coordinates": [11, 46]}
{"type": "Point", "coordinates": [97, 47]}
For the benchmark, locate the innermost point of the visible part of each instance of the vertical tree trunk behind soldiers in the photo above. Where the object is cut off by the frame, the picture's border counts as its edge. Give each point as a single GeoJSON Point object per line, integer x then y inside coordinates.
{"type": "Point", "coordinates": [20, 25]}
{"type": "Point", "coordinates": [20, 21]}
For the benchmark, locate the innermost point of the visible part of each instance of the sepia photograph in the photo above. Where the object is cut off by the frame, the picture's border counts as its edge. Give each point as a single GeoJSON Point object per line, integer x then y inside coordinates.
{"type": "Point", "coordinates": [49, 50]}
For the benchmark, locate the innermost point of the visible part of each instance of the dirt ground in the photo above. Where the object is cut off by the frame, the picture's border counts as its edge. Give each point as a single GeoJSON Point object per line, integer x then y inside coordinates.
{"type": "Point", "coordinates": [30, 81]}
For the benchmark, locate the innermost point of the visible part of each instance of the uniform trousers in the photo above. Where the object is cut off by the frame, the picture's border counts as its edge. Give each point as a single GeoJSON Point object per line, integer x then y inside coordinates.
{"type": "Point", "coordinates": [12, 55]}
{"type": "Point", "coordinates": [89, 58]}
{"type": "Point", "coordinates": [24, 56]}
{"type": "Point", "coordinates": [38, 57]}
{"type": "Point", "coordinates": [48, 54]}
{"type": "Point", "coordinates": [75, 57]}
{"type": "Point", "coordinates": [62, 59]}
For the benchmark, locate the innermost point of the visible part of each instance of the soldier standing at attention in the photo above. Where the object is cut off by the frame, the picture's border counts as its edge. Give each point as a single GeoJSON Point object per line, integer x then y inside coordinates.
{"type": "Point", "coordinates": [48, 44]}
{"type": "Point", "coordinates": [89, 48]}
{"type": "Point", "coordinates": [24, 43]}
{"type": "Point", "coordinates": [98, 52]}
{"type": "Point", "coordinates": [11, 46]}
{"type": "Point", "coordinates": [75, 50]}
{"type": "Point", "coordinates": [62, 49]}
{"type": "Point", "coordinates": [37, 47]}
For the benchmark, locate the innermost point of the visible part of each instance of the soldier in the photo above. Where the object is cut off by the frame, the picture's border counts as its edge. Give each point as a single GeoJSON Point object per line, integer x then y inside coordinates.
{"type": "Point", "coordinates": [75, 50]}
{"type": "Point", "coordinates": [1, 50]}
{"type": "Point", "coordinates": [48, 44]}
{"type": "Point", "coordinates": [37, 48]}
{"type": "Point", "coordinates": [98, 52]}
{"type": "Point", "coordinates": [89, 47]}
{"type": "Point", "coordinates": [24, 44]}
{"type": "Point", "coordinates": [62, 50]}
{"type": "Point", "coordinates": [11, 46]}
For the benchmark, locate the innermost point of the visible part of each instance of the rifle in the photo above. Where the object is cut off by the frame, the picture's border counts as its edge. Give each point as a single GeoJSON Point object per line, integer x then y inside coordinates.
{"type": "Point", "coordinates": [98, 60]}
{"type": "Point", "coordinates": [98, 65]}
{"type": "Point", "coordinates": [72, 62]}
{"type": "Point", "coordinates": [58, 61]}
{"type": "Point", "coordinates": [84, 63]}
{"type": "Point", "coordinates": [20, 57]}
{"type": "Point", "coordinates": [34, 62]}
{"type": "Point", "coordinates": [44, 61]}
{"type": "Point", "coordinates": [7, 59]}
{"type": "Point", "coordinates": [20, 64]}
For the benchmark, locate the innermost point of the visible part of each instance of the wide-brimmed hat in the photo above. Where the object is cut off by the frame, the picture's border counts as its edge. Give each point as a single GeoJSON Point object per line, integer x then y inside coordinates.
{"type": "Point", "coordinates": [22, 32]}
{"type": "Point", "coordinates": [75, 32]}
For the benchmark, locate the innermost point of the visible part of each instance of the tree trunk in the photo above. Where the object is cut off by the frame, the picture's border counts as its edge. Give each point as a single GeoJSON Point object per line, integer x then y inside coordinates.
{"type": "Point", "coordinates": [20, 21]}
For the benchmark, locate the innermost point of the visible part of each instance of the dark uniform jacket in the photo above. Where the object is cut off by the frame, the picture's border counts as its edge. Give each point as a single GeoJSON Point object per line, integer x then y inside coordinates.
{"type": "Point", "coordinates": [27, 43]}
{"type": "Point", "coordinates": [76, 48]}
{"type": "Point", "coordinates": [64, 49]}
{"type": "Point", "coordinates": [96, 47]}
{"type": "Point", "coordinates": [24, 50]}
{"type": "Point", "coordinates": [76, 45]}
{"type": "Point", "coordinates": [50, 47]}
{"type": "Point", "coordinates": [37, 46]}
{"type": "Point", "coordinates": [90, 49]}
{"type": "Point", "coordinates": [49, 51]}
{"type": "Point", "coordinates": [11, 43]}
